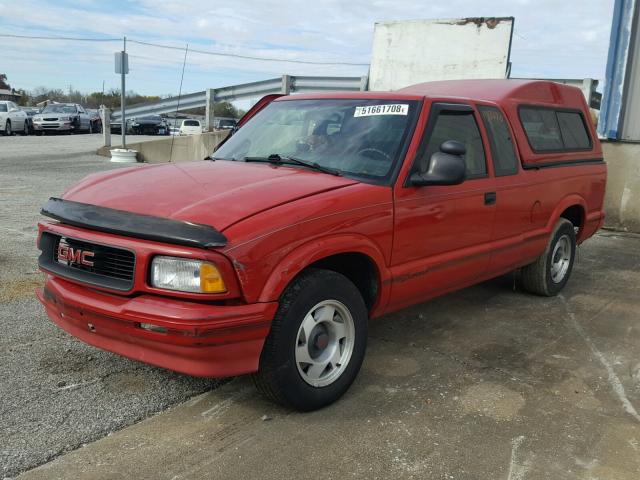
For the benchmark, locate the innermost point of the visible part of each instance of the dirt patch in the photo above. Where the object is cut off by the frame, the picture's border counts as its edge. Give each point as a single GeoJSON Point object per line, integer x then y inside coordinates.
{"type": "Point", "coordinates": [393, 365]}
{"type": "Point", "coordinates": [22, 288]}
{"type": "Point", "coordinates": [492, 400]}
{"type": "Point", "coordinates": [577, 392]}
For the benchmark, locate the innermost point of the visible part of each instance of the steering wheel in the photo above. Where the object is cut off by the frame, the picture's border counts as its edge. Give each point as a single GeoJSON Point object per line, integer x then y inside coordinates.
{"type": "Point", "coordinates": [381, 156]}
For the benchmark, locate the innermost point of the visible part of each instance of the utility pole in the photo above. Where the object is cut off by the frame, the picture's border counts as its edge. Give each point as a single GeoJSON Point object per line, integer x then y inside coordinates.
{"type": "Point", "coordinates": [125, 67]}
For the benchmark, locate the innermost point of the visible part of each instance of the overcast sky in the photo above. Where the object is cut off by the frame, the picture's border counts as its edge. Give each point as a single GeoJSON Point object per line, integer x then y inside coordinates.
{"type": "Point", "coordinates": [552, 38]}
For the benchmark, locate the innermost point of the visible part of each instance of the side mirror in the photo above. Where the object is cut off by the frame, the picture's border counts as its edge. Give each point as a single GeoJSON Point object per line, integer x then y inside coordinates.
{"type": "Point", "coordinates": [446, 167]}
{"type": "Point", "coordinates": [11, 110]}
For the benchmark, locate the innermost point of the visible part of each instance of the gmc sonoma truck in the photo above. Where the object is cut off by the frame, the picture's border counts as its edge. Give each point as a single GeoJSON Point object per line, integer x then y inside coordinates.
{"type": "Point", "coordinates": [320, 212]}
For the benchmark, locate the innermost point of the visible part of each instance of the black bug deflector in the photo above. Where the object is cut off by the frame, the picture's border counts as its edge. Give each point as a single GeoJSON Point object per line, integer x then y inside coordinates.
{"type": "Point", "coordinates": [129, 224]}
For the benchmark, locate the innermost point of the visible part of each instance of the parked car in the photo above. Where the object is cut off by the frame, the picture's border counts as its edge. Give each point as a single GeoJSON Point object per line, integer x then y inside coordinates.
{"type": "Point", "coordinates": [226, 124]}
{"type": "Point", "coordinates": [31, 112]}
{"type": "Point", "coordinates": [95, 119]}
{"type": "Point", "coordinates": [190, 127]}
{"type": "Point", "coordinates": [116, 126]}
{"type": "Point", "coordinates": [321, 212]}
{"type": "Point", "coordinates": [12, 119]}
{"type": "Point", "coordinates": [63, 117]}
{"type": "Point", "coordinates": [149, 125]}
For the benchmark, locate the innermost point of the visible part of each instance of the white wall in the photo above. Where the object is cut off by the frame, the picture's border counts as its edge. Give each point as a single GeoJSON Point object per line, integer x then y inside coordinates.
{"type": "Point", "coordinates": [409, 52]}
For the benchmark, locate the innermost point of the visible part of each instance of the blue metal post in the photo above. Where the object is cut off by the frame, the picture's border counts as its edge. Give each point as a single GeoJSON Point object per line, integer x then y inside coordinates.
{"type": "Point", "coordinates": [611, 112]}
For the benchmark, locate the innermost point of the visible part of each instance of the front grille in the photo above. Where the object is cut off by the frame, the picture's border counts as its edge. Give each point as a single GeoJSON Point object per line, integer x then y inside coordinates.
{"type": "Point", "coordinates": [50, 119]}
{"type": "Point", "coordinates": [97, 264]}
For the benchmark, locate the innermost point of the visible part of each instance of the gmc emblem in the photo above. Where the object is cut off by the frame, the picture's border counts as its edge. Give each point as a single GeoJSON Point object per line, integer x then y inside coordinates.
{"type": "Point", "coordinates": [69, 255]}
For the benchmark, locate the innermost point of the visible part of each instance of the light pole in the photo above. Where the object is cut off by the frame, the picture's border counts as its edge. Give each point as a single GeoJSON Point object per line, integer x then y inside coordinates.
{"type": "Point", "coordinates": [122, 67]}
{"type": "Point", "coordinates": [125, 69]}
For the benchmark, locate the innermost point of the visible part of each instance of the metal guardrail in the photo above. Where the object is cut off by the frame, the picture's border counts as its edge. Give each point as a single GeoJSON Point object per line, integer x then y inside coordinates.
{"type": "Point", "coordinates": [166, 105]}
{"type": "Point", "coordinates": [285, 84]}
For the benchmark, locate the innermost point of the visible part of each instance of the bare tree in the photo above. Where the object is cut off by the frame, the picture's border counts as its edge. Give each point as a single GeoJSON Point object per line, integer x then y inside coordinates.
{"type": "Point", "coordinates": [3, 82]}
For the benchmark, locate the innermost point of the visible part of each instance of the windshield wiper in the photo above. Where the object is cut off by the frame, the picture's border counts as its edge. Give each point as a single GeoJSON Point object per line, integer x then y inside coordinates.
{"type": "Point", "coordinates": [277, 159]}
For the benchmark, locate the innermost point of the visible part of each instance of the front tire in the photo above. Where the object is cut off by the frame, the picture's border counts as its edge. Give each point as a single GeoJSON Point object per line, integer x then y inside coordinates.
{"type": "Point", "coordinates": [7, 129]}
{"type": "Point", "coordinates": [548, 275]}
{"type": "Point", "coordinates": [317, 342]}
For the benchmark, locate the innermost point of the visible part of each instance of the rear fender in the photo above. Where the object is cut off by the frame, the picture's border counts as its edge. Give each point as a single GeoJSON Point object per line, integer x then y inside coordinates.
{"type": "Point", "coordinates": [566, 202]}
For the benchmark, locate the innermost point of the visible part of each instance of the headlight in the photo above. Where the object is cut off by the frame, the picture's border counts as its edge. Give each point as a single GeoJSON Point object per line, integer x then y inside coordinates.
{"type": "Point", "coordinates": [183, 275]}
{"type": "Point", "coordinates": [37, 119]}
{"type": "Point", "coordinates": [64, 119]}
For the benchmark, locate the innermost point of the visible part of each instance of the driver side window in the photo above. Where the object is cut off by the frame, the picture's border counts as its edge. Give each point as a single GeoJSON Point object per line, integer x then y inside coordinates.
{"type": "Point", "coordinates": [460, 126]}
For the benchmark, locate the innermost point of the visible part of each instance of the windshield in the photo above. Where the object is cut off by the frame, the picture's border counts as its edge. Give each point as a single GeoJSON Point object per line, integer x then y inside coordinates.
{"type": "Point", "coordinates": [227, 123]}
{"type": "Point", "coordinates": [360, 138]}
{"type": "Point", "coordinates": [59, 109]}
{"type": "Point", "coordinates": [191, 123]}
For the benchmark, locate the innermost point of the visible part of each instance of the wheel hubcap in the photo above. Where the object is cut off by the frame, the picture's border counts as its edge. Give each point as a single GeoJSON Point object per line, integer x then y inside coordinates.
{"type": "Point", "coordinates": [324, 343]}
{"type": "Point", "coordinates": [560, 259]}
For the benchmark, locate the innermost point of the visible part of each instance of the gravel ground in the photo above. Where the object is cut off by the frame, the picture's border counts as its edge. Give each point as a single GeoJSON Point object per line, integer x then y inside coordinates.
{"type": "Point", "coordinates": [57, 393]}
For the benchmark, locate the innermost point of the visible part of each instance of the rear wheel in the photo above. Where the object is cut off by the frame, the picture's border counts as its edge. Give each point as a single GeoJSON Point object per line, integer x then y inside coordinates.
{"type": "Point", "coordinates": [549, 274]}
{"type": "Point", "coordinates": [317, 342]}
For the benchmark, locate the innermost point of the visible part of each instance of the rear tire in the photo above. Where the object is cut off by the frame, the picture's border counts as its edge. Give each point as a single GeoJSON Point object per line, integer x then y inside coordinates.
{"type": "Point", "coordinates": [316, 344]}
{"type": "Point", "coordinates": [548, 275]}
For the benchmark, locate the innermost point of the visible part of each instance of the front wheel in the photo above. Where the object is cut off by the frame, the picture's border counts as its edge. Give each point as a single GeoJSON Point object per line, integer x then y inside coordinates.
{"type": "Point", "coordinates": [7, 129]}
{"type": "Point", "coordinates": [317, 342]}
{"type": "Point", "coordinates": [549, 274]}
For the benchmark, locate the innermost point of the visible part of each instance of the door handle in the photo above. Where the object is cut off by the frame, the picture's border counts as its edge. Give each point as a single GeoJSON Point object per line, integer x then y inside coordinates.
{"type": "Point", "coordinates": [490, 198]}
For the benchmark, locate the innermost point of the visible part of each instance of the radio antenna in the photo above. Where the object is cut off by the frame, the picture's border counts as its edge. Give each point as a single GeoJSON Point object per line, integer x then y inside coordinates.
{"type": "Point", "coordinates": [173, 136]}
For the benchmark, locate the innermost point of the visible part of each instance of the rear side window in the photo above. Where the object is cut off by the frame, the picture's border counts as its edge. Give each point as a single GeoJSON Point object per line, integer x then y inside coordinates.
{"type": "Point", "coordinates": [574, 133]}
{"type": "Point", "coordinates": [460, 126]}
{"type": "Point", "coordinates": [551, 130]}
{"type": "Point", "coordinates": [503, 153]}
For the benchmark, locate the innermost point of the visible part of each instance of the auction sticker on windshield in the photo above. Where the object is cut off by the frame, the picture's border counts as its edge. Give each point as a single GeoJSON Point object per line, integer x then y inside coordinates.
{"type": "Point", "coordinates": [394, 109]}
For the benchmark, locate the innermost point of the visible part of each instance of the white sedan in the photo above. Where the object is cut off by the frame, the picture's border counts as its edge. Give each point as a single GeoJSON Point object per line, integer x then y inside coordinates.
{"type": "Point", "coordinates": [12, 119]}
{"type": "Point", "coordinates": [190, 127]}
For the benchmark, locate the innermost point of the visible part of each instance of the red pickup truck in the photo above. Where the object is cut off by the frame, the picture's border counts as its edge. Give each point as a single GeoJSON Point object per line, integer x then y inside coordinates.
{"type": "Point", "coordinates": [320, 212]}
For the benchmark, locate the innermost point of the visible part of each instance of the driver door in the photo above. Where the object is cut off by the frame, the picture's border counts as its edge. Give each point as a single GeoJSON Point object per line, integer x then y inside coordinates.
{"type": "Point", "coordinates": [442, 233]}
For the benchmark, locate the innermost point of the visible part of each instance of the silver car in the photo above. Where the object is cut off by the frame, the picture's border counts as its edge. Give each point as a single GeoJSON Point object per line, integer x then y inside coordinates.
{"type": "Point", "coordinates": [62, 117]}
{"type": "Point", "coordinates": [12, 119]}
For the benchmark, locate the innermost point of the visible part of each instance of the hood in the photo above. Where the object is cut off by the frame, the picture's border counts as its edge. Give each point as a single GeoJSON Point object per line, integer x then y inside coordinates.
{"type": "Point", "coordinates": [57, 115]}
{"type": "Point", "coordinates": [218, 193]}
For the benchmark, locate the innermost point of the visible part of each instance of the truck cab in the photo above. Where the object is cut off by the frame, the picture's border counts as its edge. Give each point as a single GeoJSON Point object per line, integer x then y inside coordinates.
{"type": "Point", "coordinates": [318, 214]}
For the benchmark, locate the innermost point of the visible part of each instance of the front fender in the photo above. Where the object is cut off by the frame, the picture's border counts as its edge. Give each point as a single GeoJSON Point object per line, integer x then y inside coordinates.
{"type": "Point", "coordinates": [318, 249]}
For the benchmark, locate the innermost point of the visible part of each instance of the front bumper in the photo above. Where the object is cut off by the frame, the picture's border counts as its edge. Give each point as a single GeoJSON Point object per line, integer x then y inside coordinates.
{"type": "Point", "coordinates": [197, 339]}
{"type": "Point", "coordinates": [53, 126]}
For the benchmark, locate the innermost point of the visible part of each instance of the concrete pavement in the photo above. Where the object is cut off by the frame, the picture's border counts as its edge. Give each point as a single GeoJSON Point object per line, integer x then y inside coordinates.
{"type": "Point", "coordinates": [486, 383]}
